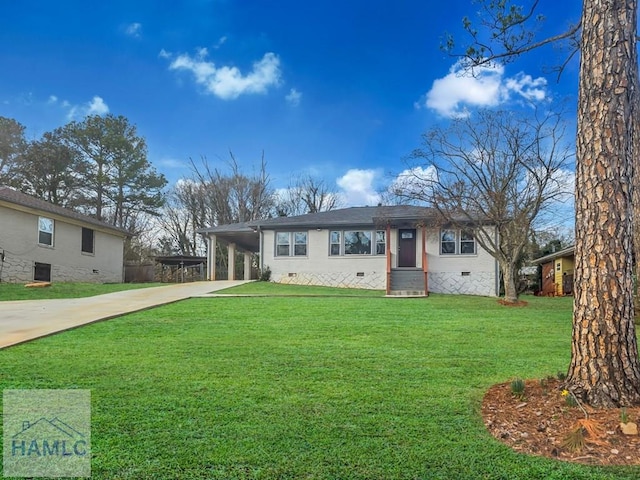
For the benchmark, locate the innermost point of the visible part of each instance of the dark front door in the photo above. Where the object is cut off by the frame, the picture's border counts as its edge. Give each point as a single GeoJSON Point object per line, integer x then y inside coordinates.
{"type": "Point", "coordinates": [407, 248]}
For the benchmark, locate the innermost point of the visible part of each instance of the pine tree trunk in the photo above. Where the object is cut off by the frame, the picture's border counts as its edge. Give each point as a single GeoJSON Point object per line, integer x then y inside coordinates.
{"type": "Point", "coordinates": [509, 280]}
{"type": "Point", "coordinates": [604, 368]}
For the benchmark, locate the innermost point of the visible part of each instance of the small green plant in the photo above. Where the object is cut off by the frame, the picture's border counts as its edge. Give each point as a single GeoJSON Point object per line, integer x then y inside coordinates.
{"type": "Point", "coordinates": [265, 274]}
{"type": "Point", "coordinates": [517, 388]}
{"type": "Point", "coordinates": [569, 399]}
{"type": "Point", "coordinates": [561, 376]}
{"type": "Point", "coordinates": [624, 416]}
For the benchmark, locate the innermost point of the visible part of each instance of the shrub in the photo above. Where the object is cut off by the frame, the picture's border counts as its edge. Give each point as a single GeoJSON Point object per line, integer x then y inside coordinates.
{"type": "Point", "coordinates": [265, 274]}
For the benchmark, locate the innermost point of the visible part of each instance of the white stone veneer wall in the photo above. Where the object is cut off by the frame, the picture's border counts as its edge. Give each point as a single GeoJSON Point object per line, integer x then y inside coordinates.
{"type": "Point", "coordinates": [476, 283]}
{"type": "Point", "coordinates": [370, 280]}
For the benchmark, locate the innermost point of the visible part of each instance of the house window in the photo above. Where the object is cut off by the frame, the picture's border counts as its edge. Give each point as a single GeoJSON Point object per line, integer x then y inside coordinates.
{"type": "Point", "coordinates": [454, 242]}
{"type": "Point", "coordinates": [87, 240]}
{"type": "Point", "coordinates": [467, 243]}
{"type": "Point", "coordinates": [42, 272]}
{"type": "Point", "coordinates": [45, 231]}
{"type": "Point", "coordinates": [334, 243]}
{"type": "Point", "coordinates": [282, 244]}
{"type": "Point", "coordinates": [300, 244]}
{"type": "Point", "coordinates": [284, 240]}
{"type": "Point", "coordinates": [381, 242]}
{"type": "Point", "coordinates": [356, 242]}
{"type": "Point", "coordinates": [448, 242]}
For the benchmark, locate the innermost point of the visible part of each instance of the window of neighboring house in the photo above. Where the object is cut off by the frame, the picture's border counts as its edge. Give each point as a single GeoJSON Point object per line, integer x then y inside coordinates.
{"type": "Point", "coordinates": [334, 243]}
{"type": "Point", "coordinates": [284, 240]}
{"type": "Point", "coordinates": [467, 243]}
{"type": "Point", "coordinates": [45, 231]}
{"type": "Point", "coordinates": [87, 240]}
{"type": "Point", "coordinates": [282, 244]}
{"type": "Point", "coordinates": [454, 242]}
{"type": "Point", "coordinates": [448, 242]}
{"type": "Point", "coordinates": [42, 272]}
{"type": "Point", "coordinates": [381, 242]}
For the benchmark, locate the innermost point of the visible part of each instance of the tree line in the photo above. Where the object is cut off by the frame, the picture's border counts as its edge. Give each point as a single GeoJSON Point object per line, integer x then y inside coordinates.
{"type": "Point", "coordinates": [99, 167]}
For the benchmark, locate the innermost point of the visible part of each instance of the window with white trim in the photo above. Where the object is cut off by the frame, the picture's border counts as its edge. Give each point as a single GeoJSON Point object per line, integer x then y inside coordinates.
{"type": "Point", "coordinates": [334, 243]}
{"type": "Point", "coordinates": [300, 244]}
{"type": "Point", "coordinates": [467, 243]}
{"type": "Point", "coordinates": [284, 241]}
{"type": "Point", "coordinates": [357, 242]}
{"type": "Point", "coordinates": [457, 242]}
{"type": "Point", "coordinates": [381, 242]}
{"type": "Point", "coordinates": [45, 231]}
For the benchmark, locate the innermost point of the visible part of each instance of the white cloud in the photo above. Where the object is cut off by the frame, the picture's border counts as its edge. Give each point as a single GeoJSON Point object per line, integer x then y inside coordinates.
{"type": "Point", "coordinates": [413, 182]}
{"type": "Point", "coordinates": [227, 82]}
{"type": "Point", "coordinates": [133, 30]}
{"type": "Point", "coordinates": [96, 106]}
{"type": "Point", "coordinates": [451, 95]}
{"type": "Point", "coordinates": [294, 97]}
{"type": "Point", "coordinates": [221, 41]}
{"type": "Point", "coordinates": [52, 100]}
{"type": "Point", "coordinates": [358, 187]}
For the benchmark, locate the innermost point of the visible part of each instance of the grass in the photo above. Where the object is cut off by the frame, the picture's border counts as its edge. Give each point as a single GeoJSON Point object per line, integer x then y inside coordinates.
{"type": "Point", "coordinates": [314, 388]}
{"type": "Point", "coordinates": [16, 291]}
{"type": "Point", "coordinates": [271, 288]}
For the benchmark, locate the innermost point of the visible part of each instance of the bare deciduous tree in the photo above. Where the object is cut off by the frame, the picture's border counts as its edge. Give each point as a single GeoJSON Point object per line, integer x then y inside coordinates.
{"type": "Point", "coordinates": [494, 174]}
{"type": "Point", "coordinates": [306, 194]}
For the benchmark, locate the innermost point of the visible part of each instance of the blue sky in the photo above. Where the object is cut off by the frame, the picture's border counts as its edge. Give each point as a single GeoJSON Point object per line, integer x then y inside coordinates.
{"type": "Point", "coordinates": [338, 89]}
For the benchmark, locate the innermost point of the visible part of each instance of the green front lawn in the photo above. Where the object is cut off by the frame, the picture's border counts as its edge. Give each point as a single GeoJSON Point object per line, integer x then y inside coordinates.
{"type": "Point", "coordinates": [15, 291]}
{"type": "Point", "coordinates": [271, 288]}
{"type": "Point", "coordinates": [313, 388]}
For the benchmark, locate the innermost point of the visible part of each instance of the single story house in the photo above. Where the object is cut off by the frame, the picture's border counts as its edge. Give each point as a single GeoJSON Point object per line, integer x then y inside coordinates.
{"type": "Point", "coordinates": [557, 272]}
{"type": "Point", "coordinates": [392, 248]}
{"type": "Point", "coordinates": [40, 241]}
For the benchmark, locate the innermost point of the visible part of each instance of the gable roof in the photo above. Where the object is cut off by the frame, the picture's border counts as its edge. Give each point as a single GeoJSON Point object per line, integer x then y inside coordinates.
{"type": "Point", "coordinates": [350, 217]}
{"type": "Point", "coordinates": [27, 202]}
{"type": "Point", "coordinates": [565, 252]}
{"type": "Point", "coordinates": [246, 235]}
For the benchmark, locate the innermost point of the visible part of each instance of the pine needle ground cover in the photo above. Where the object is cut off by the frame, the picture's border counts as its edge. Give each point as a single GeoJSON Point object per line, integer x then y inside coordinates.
{"type": "Point", "coordinates": [314, 388]}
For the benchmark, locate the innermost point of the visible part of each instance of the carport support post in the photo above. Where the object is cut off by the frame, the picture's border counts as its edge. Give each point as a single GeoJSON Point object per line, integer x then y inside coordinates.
{"type": "Point", "coordinates": [211, 257]}
{"type": "Point", "coordinates": [231, 273]}
{"type": "Point", "coordinates": [247, 266]}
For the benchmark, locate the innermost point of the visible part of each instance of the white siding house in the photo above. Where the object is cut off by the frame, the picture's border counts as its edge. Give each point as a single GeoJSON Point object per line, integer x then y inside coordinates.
{"type": "Point", "coordinates": [43, 242]}
{"type": "Point", "coordinates": [395, 248]}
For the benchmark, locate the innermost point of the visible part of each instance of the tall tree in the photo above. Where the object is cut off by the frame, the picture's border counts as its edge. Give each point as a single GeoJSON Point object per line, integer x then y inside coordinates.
{"type": "Point", "coordinates": [234, 197]}
{"type": "Point", "coordinates": [306, 194]}
{"type": "Point", "coordinates": [119, 181]}
{"type": "Point", "coordinates": [51, 170]}
{"type": "Point", "coordinates": [12, 145]}
{"type": "Point", "coordinates": [494, 175]}
{"type": "Point", "coordinates": [604, 369]}
{"type": "Point", "coordinates": [184, 213]}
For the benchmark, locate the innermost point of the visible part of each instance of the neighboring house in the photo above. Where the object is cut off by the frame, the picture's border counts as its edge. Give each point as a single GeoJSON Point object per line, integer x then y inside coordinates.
{"type": "Point", "coordinates": [392, 248]}
{"type": "Point", "coordinates": [557, 272]}
{"type": "Point", "coordinates": [40, 241]}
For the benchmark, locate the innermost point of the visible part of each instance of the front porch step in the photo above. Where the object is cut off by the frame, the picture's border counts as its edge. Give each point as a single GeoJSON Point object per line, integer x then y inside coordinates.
{"type": "Point", "coordinates": [407, 279]}
{"type": "Point", "coordinates": [407, 293]}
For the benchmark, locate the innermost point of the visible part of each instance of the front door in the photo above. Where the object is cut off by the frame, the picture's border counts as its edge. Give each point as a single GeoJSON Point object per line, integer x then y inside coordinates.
{"type": "Point", "coordinates": [407, 248]}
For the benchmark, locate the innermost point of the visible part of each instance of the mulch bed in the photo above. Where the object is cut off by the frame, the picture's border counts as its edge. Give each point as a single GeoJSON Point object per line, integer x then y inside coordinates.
{"type": "Point", "coordinates": [540, 422]}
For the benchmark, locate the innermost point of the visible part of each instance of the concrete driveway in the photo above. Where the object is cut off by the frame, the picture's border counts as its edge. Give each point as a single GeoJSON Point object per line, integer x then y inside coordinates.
{"type": "Point", "coordinates": [24, 320]}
